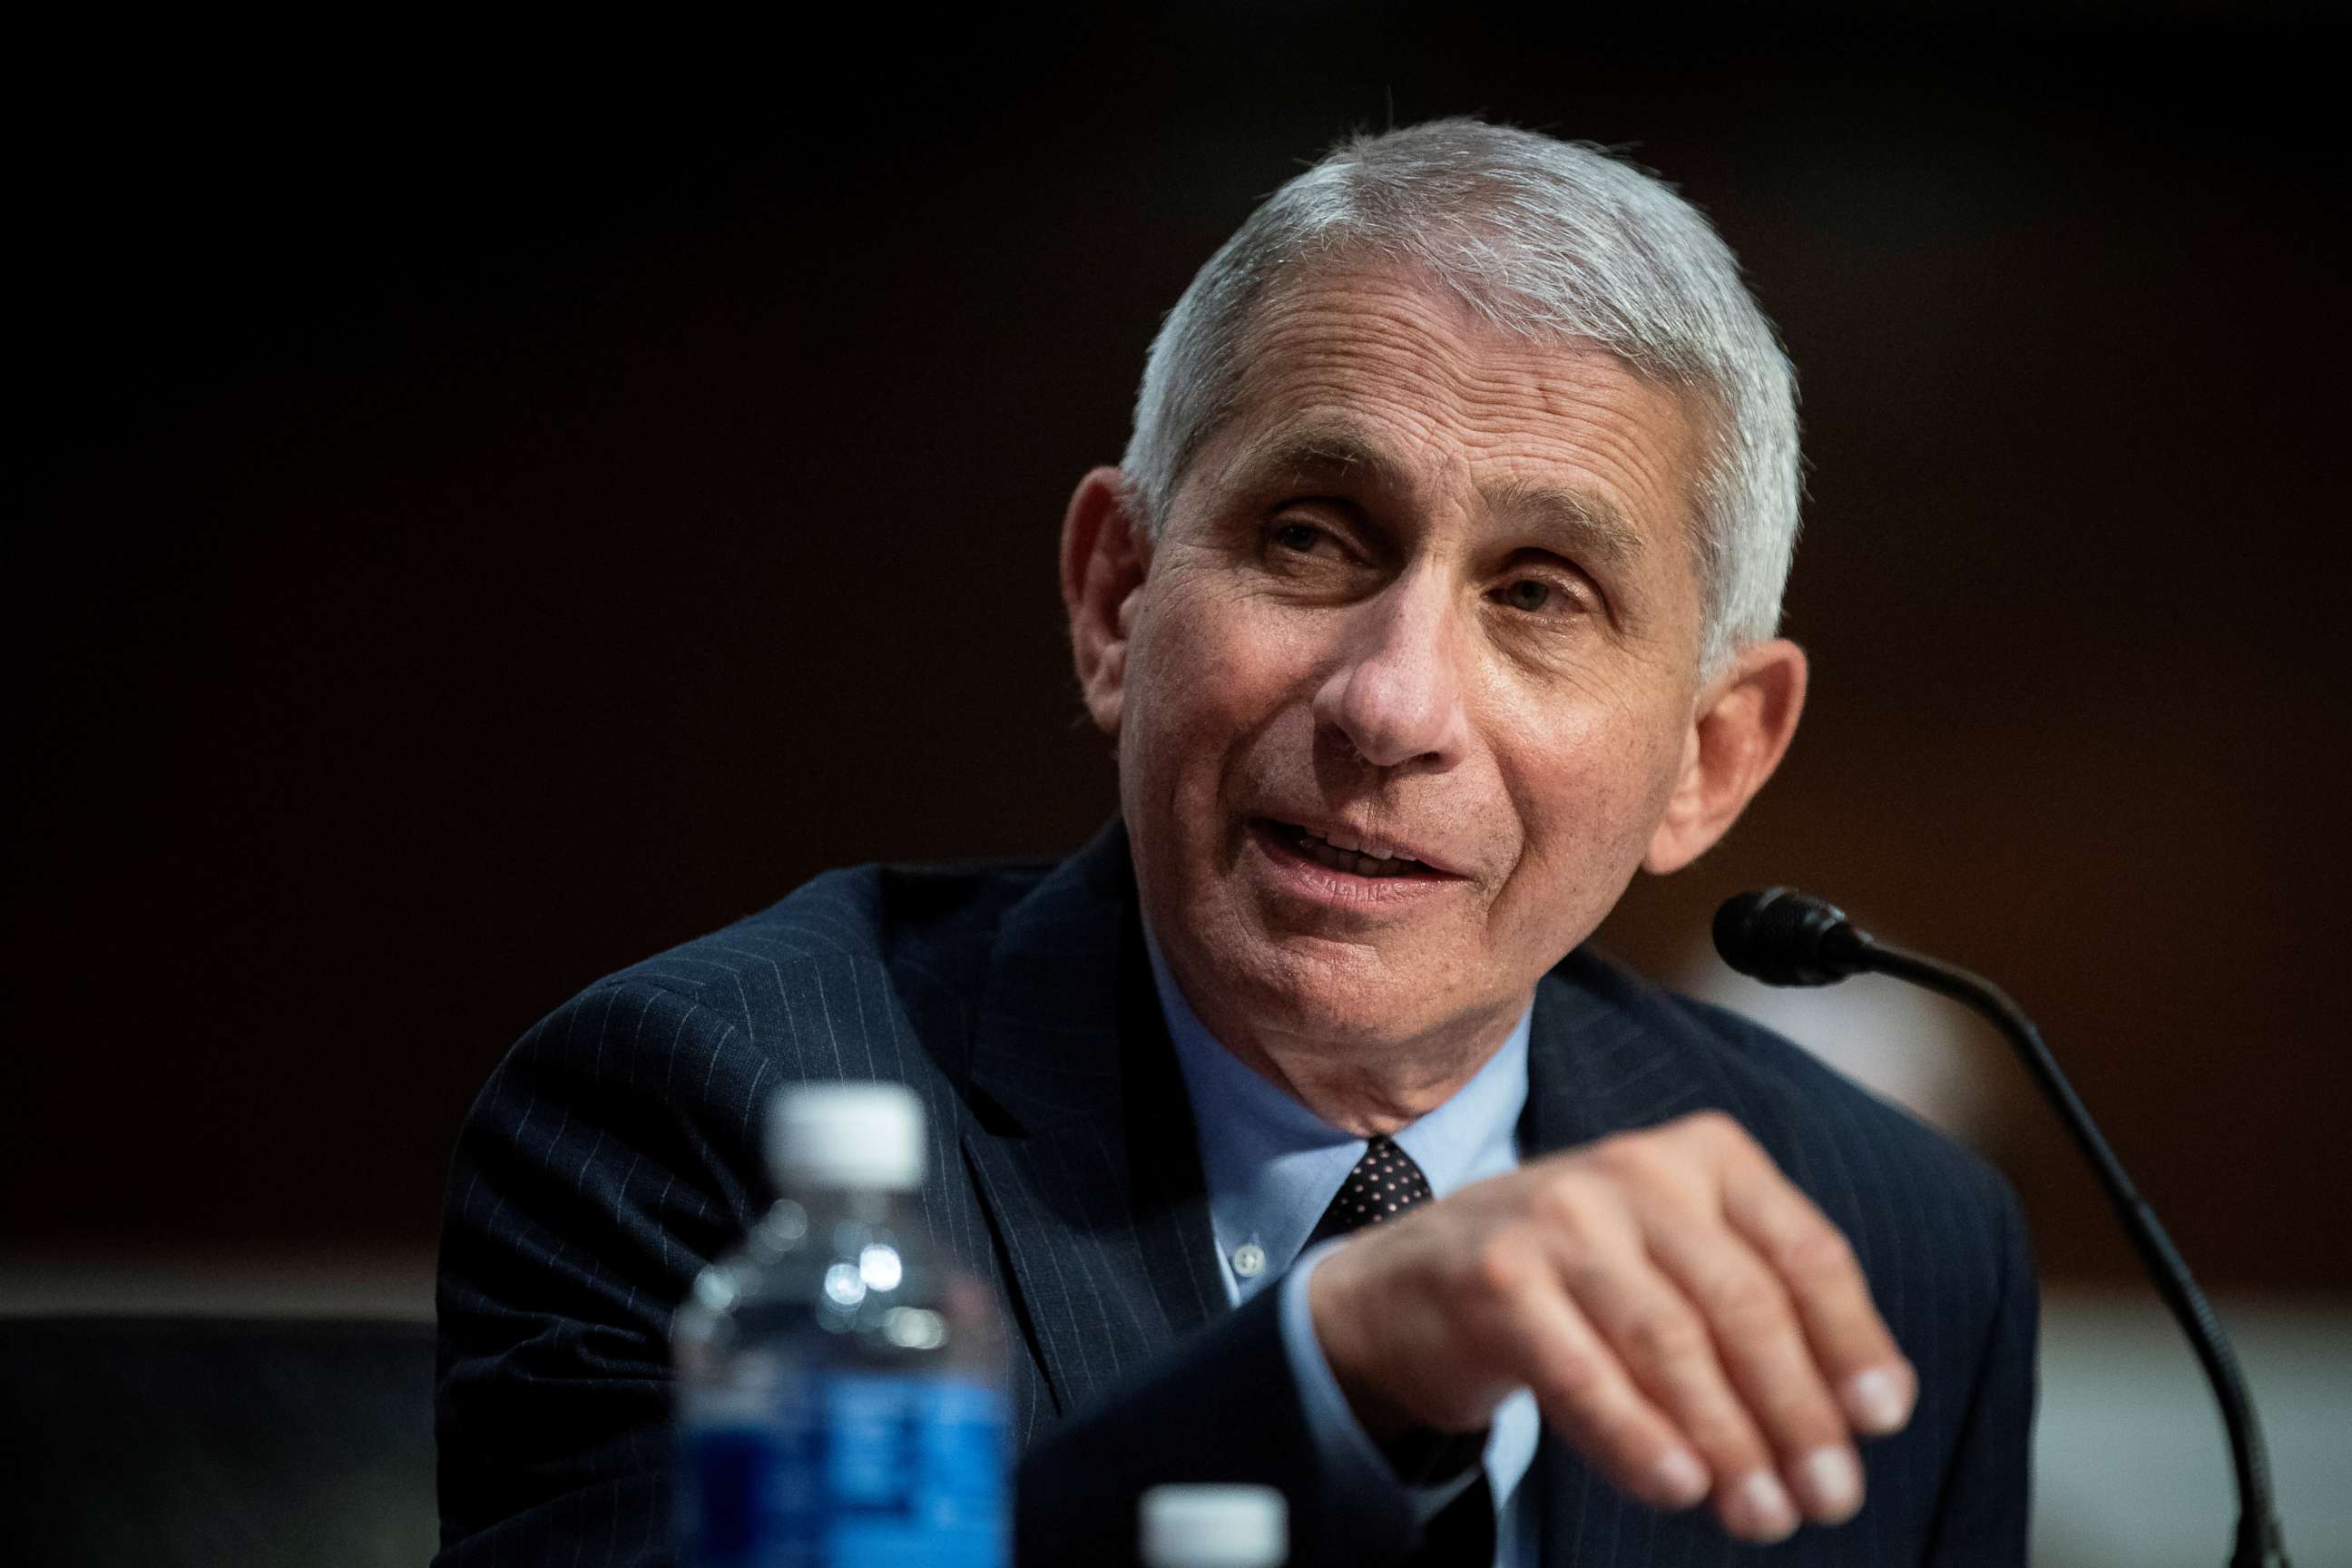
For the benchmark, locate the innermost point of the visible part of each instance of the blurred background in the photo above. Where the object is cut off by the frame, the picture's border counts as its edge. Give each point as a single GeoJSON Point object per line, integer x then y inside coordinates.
{"type": "Point", "coordinates": [493, 508]}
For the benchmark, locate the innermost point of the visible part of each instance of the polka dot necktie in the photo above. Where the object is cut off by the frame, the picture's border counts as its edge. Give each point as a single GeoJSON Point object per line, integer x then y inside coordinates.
{"type": "Point", "coordinates": [1385, 1185]}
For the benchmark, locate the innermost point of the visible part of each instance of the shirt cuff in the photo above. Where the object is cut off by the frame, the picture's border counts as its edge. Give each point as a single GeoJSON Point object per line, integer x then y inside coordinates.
{"type": "Point", "coordinates": [1358, 1469]}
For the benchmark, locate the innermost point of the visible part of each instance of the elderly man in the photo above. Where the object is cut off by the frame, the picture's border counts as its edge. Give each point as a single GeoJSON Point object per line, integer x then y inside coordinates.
{"type": "Point", "coordinates": [1435, 595]}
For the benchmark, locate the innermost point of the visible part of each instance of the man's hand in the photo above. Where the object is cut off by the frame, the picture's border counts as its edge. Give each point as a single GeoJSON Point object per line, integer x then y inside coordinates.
{"type": "Point", "coordinates": [1685, 1317]}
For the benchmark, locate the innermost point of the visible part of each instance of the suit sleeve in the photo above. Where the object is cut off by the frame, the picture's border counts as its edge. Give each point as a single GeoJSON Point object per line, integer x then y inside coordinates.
{"type": "Point", "coordinates": [1984, 1514]}
{"type": "Point", "coordinates": [595, 1177]}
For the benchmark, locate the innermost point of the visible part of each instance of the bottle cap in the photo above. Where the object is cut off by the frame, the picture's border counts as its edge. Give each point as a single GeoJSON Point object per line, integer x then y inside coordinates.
{"type": "Point", "coordinates": [1215, 1527]}
{"type": "Point", "coordinates": [846, 1135]}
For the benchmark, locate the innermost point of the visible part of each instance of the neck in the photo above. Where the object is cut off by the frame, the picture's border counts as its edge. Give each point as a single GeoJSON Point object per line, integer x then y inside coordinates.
{"type": "Point", "coordinates": [1370, 1089]}
{"type": "Point", "coordinates": [1355, 1081]}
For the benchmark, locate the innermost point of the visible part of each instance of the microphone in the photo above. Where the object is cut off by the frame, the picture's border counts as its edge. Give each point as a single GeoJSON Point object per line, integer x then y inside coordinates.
{"type": "Point", "coordinates": [1784, 937]}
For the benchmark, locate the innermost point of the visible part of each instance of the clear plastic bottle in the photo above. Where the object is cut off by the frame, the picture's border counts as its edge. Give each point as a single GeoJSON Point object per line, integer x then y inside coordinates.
{"type": "Point", "coordinates": [840, 1382]}
{"type": "Point", "coordinates": [1213, 1527]}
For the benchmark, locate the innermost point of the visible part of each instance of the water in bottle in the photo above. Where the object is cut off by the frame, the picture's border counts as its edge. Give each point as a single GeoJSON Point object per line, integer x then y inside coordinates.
{"type": "Point", "coordinates": [840, 1387]}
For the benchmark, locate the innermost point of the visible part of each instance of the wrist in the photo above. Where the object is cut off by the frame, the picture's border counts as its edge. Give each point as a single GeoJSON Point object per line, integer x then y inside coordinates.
{"type": "Point", "coordinates": [1348, 1352]}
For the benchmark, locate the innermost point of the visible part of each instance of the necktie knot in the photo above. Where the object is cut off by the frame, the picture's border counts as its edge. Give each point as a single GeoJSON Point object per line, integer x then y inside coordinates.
{"type": "Point", "coordinates": [1384, 1183]}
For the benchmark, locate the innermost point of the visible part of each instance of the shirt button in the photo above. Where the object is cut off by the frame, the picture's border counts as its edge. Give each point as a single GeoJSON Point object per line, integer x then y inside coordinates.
{"type": "Point", "coordinates": [1249, 1260]}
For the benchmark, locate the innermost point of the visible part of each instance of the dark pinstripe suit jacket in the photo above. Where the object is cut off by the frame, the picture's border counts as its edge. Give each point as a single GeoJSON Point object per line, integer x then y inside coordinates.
{"type": "Point", "coordinates": [616, 1150]}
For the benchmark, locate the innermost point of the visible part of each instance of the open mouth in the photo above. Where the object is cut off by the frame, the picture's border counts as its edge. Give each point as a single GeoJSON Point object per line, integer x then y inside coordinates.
{"type": "Point", "coordinates": [1354, 860]}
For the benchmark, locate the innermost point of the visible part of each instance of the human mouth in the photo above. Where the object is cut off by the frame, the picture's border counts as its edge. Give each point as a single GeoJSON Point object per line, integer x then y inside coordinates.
{"type": "Point", "coordinates": [1361, 858]}
{"type": "Point", "coordinates": [1334, 865]}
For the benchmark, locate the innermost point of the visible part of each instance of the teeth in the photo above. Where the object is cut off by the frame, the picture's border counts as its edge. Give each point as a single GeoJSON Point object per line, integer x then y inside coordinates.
{"type": "Point", "coordinates": [1356, 847]}
{"type": "Point", "coordinates": [1346, 860]}
{"type": "Point", "coordinates": [1343, 854]}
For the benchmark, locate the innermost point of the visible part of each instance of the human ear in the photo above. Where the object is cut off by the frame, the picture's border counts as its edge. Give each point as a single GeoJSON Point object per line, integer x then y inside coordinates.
{"type": "Point", "coordinates": [1740, 727]}
{"type": "Point", "coordinates": [1105, 554]}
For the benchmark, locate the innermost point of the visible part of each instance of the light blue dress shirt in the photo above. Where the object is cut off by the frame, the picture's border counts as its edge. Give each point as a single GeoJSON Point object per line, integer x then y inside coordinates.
{"type": "Point", "coordinates": [1273, 1167]}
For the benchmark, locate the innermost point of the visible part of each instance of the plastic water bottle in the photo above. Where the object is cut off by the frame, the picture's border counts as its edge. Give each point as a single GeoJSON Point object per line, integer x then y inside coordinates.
{"type": "Point", "coordinates": [1213, 1527]}
{"type": "Point", "coordinates": [840, 1383]}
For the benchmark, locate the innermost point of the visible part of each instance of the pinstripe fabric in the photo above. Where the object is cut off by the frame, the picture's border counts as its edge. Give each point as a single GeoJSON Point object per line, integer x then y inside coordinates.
{"type": "Point", "coordinates": [616, 1150]}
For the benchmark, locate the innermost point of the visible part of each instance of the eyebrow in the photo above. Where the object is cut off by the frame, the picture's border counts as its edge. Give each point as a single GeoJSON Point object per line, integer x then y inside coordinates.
{"type": "Point", "coordinates": [1573, 523]}
{"type": "Point", "coordinates": [1580, 525]}
{"type": "Point", "coordinates": [1304, 457]}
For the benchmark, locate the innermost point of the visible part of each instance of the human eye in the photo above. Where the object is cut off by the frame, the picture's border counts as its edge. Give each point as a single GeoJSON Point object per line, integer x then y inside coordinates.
{"type": "Point", "coordinates": [1310, 539]}
{"type": "Point", "coordinates": [1544, 596]}
{"type": "Point", "coordinates": [1530, 594]}
{"type": "Point", "coordinates": [1296, 536]}
{"type": "Point", "coordinates": [1315, 553]}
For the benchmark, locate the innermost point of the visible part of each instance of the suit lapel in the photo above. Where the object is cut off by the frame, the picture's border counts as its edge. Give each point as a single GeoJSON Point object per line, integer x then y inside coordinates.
{"type": "Point", "coordinates": [1594, 1068]}
{"type": "Point", "coordinates": [1089, 1168]}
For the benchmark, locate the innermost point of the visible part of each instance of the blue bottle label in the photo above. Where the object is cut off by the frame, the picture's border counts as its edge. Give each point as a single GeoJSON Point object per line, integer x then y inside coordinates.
{"type": "Point", "coordinates": [833, 1469]}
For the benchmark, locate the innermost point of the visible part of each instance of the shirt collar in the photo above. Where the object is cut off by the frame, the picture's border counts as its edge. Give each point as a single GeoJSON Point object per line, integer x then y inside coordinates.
{"type": "Point", "coordinates": [1272, 1166]}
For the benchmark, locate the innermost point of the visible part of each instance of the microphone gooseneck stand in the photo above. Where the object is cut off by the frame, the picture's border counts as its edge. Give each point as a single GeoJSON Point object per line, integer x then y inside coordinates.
{"type": "Point", "coordinates": [1783, 937]}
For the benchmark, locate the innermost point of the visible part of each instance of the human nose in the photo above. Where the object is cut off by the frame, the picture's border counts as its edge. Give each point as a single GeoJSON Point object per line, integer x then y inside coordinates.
{"type": "Point", "coordinates": [1396, 695]}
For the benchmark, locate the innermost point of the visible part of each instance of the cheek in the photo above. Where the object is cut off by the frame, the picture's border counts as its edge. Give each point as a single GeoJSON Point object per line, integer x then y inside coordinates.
{"type": "Point", "coordinates": [1591, 795]}
{"type": "Point", "coordinates": [1206, 673]}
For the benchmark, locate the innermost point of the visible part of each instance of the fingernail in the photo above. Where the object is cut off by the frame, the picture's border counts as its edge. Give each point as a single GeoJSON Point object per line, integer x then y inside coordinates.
{"type": "Point", "coordinates": [1680, 1478]}
{"type": "Point", "coordinates": [1831, 1479]}
{"type": "Point", "coordinates": [1760, 1509]}
{"type": "Point", "coordinates": [1879, 1399]}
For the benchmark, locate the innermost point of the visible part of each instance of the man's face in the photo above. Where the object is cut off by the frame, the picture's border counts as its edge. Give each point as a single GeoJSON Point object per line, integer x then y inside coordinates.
{"type": "Point", "coordinates": [1430, 592]}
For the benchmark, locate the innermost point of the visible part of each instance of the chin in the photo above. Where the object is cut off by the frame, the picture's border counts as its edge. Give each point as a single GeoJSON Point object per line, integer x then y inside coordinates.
{"type": "Point", "coordinates": [1342, 993]}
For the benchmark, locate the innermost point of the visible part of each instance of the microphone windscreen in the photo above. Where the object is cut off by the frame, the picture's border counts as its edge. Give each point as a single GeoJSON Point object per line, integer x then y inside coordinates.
{"type": "Point", "coordinates": [1784, 937]}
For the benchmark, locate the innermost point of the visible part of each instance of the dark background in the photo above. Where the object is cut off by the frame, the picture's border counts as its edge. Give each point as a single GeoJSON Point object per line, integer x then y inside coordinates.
{"type": "Point", "coordinates": [495, 508]}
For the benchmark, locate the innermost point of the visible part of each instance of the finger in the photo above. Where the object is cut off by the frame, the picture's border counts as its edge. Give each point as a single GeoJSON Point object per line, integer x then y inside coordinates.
{"type": "Point", "coordinates": [1874, 1385]}
{"type": "Point", "coordinates": [1667, 1347]}
{"type": "Point", "coordinates": [1586, 1395]}
{"type": "Point", "coordinates": [1764, 1351]}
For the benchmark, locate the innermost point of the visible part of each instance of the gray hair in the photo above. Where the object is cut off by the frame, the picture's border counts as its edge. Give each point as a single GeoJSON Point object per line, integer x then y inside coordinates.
{"type": "Point", "coordinates": [1545, 239]}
